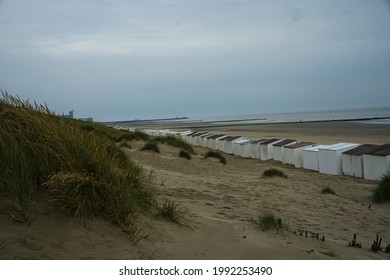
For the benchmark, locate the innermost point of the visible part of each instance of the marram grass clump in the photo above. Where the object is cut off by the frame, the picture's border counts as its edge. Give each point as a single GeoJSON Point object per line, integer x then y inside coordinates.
{"type": "Point", "coordinates": [273, 172]}
{"type": "Point", "coordinates": [185, 155]}
{"type": "Point", "coordinates": [151, 146]}
{"type": "Point", "coordinates": [382, 191]}
{"type": "Point", "coordinates": [175, 142]}
{"type": "Point", "coordinates": [216, 155]}
{"type": "Point", "coordinates": [328, 190]}
{"type": "Point", "coordinates": [77, 163]}
{"type": "Point", "coordinates": [174, 211]}
{"type": "Point", "coordinates": [268, 221]}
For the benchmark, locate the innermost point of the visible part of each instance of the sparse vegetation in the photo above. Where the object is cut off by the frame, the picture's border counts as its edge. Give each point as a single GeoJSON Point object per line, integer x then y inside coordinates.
{"type": "Point", "coordinates": [124, 144]}
{"type": "Point", "coordinates": [216, 155]}
{"type": "Point", "coordinates": [184, 154]}
{"type": "Point", "coordinates": [131, 135]}
{"type": "Point", "coordinates": [328, 190]}
{"type": "Point", "coordinates": [150, 146]}
{"type": "Point", "coordinates": [75, 162]}
{"type": "Point", "coordinates": [175, 142]}
{"type": "Point", "coordinates": [273, 172]}
{"type": "Point", "coordinates": [174, 212]}
{"type": "Point", "coordinates": [268, 221]}
{"type": "Point", "coordinates": [382, 191]}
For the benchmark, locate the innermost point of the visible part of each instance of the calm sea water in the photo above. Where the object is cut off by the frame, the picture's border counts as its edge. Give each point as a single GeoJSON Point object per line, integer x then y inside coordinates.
{"type": "Point", "coordinates": [348, 114]}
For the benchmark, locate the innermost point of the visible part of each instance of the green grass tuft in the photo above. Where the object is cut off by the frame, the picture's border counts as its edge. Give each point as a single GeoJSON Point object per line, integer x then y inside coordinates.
{"type": "Point", "coordinates": [382, 191]}
{"type": "Point", "coordinates": [216, 155]}
{"type": "Point", "coordinates": [273, 172]}
{"type": "Point", "coordinates": [268, 221]}
{"type": "Point", "coordinates": [328, 190]}
{"type": "Point", "coordinates": [76, 163]}
{"type": "Point", "coordinates": [184, 154]}
{"type": "Point", "coordinates": [174, 212]}
{"type": "Point", "coordinates": [124, 144]}
{"type": "Point", "coordinates": [175, 142]}
{"type": "Point", "coordinates": [151, 147]}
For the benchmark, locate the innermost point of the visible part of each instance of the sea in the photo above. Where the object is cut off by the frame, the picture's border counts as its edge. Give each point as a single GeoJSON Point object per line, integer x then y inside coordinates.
{"type": "Point", "coordinates": [365, 115]}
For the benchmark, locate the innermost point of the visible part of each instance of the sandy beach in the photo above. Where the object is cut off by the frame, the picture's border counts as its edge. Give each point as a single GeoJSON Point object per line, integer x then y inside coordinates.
{"type": "Point", "coordinates": [221, 200]}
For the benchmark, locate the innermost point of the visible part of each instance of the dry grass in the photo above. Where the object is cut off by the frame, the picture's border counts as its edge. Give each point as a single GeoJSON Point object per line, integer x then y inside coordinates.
{"type": "Point", "coordinates": [76, 162]}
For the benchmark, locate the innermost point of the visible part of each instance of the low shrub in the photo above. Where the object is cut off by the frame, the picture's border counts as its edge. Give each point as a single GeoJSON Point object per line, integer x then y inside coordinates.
{"type": "Point", "coordinates": [184, 154]}
{"type": "Point", "coordinates": [273, 172]}
{"type": "Point", "coordinates": [175, 142]}
{"type": "Point", "coordinates": [382, 191]}
{"type": "Point", "coordinates": [173, 211]}
{"type": "Point", "coordinates": [151, 147]}
{"type": "Point", "coordinates": [268, 221]}
{"type": "Point", "coordinates": [328, 190]}
{"type": "Point", "coordinates": [124, 144]}
{"type": "Point", "coordinates": [216, 155]}
{"type": "Point", "coordinates": [131, 135]}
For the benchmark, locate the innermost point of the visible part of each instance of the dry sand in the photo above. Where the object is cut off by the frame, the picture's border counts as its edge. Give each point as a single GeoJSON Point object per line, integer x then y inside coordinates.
{"type": "Point", "coordinates": [221, 199]}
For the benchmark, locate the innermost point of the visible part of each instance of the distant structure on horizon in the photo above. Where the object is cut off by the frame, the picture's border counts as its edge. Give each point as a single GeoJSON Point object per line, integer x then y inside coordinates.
{"type": "Point", "coordinates": [71, 116]}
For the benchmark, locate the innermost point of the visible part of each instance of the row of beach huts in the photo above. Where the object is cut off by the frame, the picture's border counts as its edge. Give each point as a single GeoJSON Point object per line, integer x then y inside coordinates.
{"type": "Point", "coordinates": [366, 161]}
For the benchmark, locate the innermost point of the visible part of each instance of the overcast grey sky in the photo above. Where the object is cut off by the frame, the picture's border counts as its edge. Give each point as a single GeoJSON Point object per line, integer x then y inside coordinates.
{"type": "Point", "coordinates": [126, 59]}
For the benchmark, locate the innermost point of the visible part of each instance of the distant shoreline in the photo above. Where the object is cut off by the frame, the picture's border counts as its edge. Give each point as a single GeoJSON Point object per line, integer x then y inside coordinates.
{"type": "Point", "coordinates": [240, 122]}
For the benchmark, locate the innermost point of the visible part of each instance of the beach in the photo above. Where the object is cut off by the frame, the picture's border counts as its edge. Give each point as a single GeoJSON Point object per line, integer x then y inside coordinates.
{"type": "Point", "coordinates": [221, 201]}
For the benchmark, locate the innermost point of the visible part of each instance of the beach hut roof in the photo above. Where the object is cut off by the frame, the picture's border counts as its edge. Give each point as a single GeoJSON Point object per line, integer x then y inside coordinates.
{"type": "Point", "coordinates": [380, 150]}
{"type": "Point", "coordinates": [215, 136]}
{"type": "Point", "coordinates": [243, 141]}
{"type": "Point", "coordinates": [224, 138]}
{"type": "Point", "coordinates": [340, 146]}
{"type": "Point", "coordinates": [299, 145]}
{"type": "Point", "coordinates": [231, 138]}
{"type": "Point", "coordinates": [258, 141]}
{"type": "Point", "coordinates": [363, 149]}
{"type": "Point", "coordinates": [193, 133]}
{"type": "Point", "coordinates": [270, 141]}
{"type": "Point", "coordinates": [316, 148]}
{"type": "Point", "coordinates": [284, 142]}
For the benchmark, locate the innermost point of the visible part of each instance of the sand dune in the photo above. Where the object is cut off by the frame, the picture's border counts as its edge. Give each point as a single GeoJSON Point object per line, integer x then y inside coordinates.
{"type": "Point", "coordinates": [221, 199]}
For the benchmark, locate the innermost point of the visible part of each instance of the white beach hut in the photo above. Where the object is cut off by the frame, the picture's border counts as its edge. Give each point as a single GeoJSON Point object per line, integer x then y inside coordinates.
{"type": "Point", "coordinates": [266, 149]}
{"type": "Point", "coordinates": [352, 160]}
{"type": "Point", "coordinates": [329, 158]}
{"type": "Point", "coordinates": [220, 143]}
{"type": "Point", "coordinates": [293, 153]}
{"type": "Point", "coordinates": [204, 139]}
{"type": "Point", "coordinates": [278, 149]}
{"type": "Point", "coordinates": [198, 138]}
{"type": "Point", "coordinates": [237, 146]}
{"type": "Point", "coordinates": [190, 137]}
{"type": "Point", "coordinates": [213, 141]}
{"type": "Point", "coordinates": [245, 149]}
{"type": "Point", "coordinates": [229, 144]}
{"type": "Point", "coordinates": [310, 157]}
{"type": "Point", "coordinates": [255, 148]}
{"type": "Point", "coordinates": [376, 162]}
{"type": "Point", "coordinates": [184, 134]}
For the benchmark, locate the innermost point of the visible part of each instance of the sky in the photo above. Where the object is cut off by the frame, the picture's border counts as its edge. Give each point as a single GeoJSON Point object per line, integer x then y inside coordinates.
{"type": "Point", "coordinates": [136, 59]}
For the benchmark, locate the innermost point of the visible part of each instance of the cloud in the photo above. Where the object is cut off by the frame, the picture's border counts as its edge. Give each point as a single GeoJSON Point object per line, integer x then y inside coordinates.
{"type": "Point", "coordinates": [135, 52]}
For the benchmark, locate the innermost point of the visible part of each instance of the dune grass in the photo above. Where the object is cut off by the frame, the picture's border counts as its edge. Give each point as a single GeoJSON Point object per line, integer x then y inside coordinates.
{"type": "Point", "coordinates": [382, 191]}
{"type": "Point", "coordinates": [76, 162]}
{"type": "Point", "coordinates": [151, 146]}
{"type": "Point", "coordinates": [173, 211]}
{"type": "Point", "coordinates": [185, 155]}
{"type": "Point", "coordinates": [268, 221]}
{"type": "Point", "coordinates": [328, 190]}
{"type": "Point", "coordinates": [273, 172]}
{"type": "Point", "coordinates": [216, 155]}
{"type": "Point", "coordinates": [175, 142]}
